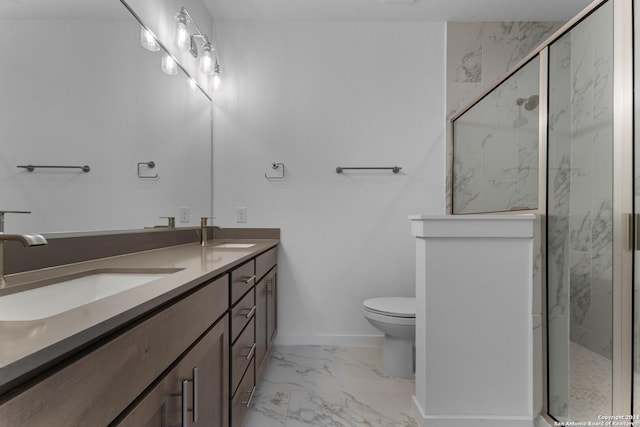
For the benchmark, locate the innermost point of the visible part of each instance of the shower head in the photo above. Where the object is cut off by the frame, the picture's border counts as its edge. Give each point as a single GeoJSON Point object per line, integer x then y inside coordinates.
{"type": "Point", "coordinates": [529, 103]}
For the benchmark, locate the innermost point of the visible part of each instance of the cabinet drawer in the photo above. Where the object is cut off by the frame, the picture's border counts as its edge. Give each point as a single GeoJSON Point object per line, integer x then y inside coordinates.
{"type": "Point", "coordinates": [95, 389]}
{"type": "Point", "coordinates": [266, 262]}
{"type": "Point", "coordinates": [241, 353]}
{"type": "Point", "coordinates": [242, 313]}
{"type": "Point", "coordinates": [242, 399]}
{"type": "Point", "coordinates": [242, 279]}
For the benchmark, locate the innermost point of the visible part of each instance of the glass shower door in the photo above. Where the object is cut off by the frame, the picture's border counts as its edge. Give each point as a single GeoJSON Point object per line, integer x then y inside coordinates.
{"type": "Point", "coordinates": [579, 221]}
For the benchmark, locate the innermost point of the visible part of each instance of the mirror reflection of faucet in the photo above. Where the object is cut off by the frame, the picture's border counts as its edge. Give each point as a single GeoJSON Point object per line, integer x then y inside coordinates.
{"type": "Point", "coordinates": [26, 240]}
{"type": "Point", "coordinates": [171, 222]}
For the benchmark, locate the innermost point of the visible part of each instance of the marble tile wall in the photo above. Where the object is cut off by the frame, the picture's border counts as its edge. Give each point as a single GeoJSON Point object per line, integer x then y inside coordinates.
{"type": "Point", "coordinates": [496, 160]}
{"type": "Point", "coordinates": [480, 53]}
{"type": "Point", "coordinates": [496, 148]}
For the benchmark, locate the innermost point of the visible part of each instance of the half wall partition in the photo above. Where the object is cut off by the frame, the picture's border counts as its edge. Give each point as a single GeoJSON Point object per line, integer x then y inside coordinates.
{"type": "Point", "coordinates": [555, 137]}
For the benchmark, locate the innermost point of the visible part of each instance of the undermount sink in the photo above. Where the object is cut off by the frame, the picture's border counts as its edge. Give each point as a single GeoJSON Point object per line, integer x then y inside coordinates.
{"type": "Point", "coordinates": [62, 294]}
{"type": "Point", "coordinates": [235, 245]}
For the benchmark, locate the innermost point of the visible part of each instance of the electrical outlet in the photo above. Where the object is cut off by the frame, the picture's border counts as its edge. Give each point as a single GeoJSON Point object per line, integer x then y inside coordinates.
{"type": "Point", "coordinates": [185, 215]}
{"type": "Point", "coordinates": [241, 214]}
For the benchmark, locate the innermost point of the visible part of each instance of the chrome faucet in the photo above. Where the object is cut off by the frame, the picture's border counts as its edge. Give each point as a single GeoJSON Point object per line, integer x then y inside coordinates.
{"type": "Point", "coordinates": [204, 228]}
{"type": "Point", "coordinates": [26, 240]}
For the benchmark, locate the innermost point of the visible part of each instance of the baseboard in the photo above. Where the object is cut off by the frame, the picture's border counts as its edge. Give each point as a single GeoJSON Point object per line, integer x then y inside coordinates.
{"type": "Point", "coordinates": [331, 340]}
{"type": "Point", "coordinates": [424, 420]}
{"type": "Point", "coordinates": [418, 414]}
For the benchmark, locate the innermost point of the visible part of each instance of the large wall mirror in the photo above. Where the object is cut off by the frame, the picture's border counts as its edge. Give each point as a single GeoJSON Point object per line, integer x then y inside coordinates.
{"type": "Point", "coordinates": [79, 89]}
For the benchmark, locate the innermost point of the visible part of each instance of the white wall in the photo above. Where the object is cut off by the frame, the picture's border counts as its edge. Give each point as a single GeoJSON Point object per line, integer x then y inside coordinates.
{"type": "Point", "coordinates": [314, 96]}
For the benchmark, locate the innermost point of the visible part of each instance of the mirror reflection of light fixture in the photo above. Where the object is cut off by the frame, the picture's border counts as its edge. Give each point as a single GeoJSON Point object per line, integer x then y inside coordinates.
{"type": "Point", "coordinates": [148, 40]}
{"type": "Point", "coordinates": [169, 65]}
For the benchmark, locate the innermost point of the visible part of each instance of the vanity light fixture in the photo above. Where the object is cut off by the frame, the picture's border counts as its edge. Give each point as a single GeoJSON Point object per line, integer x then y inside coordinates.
{"type": "Point", "coordinates": [148, 40]}
{"type": "Point", "coordinates": [183, 38]}
{"type": "Point", "coordinates": [189, 42]}
{"type": "Point", "coordinates": [216, 75]}
{"type": "Point", "coordinates": [206, 62]}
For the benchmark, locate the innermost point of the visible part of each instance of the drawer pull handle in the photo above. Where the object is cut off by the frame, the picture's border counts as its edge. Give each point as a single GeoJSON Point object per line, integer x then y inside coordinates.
{"type": "Point", "coordinates": [194, 392]}
{"type": "Point", "coordinates": [247, 280]}
{"type": "Point", "coordinates": [183, 398]}
{"type": "Point", "coordinates": [185, 384]}
{"type": "Point", "coordinates": [248, 402]}
{"type": "Point", "coordinates": [250, 312]}
{"type": "Point", "coordinates": [251, 350]}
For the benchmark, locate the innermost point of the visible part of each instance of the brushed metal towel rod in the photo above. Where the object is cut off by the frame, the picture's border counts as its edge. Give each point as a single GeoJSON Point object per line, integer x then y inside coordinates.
{"type": "Point", "coordinates": [395, 169]}
{"type": "Point", "coordinates": [31, 168]}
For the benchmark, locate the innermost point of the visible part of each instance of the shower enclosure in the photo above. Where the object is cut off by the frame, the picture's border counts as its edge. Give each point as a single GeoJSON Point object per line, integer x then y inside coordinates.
{"type": "Point", "coordinates": [555, 137]}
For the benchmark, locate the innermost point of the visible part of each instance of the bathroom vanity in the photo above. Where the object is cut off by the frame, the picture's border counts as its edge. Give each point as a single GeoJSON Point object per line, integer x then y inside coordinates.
{"type": "Point", "coordinates": [183, 349]}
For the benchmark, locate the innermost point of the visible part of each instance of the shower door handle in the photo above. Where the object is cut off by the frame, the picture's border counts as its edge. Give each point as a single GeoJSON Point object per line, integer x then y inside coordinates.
{"type": "Point", "coordinates": [634, 231]}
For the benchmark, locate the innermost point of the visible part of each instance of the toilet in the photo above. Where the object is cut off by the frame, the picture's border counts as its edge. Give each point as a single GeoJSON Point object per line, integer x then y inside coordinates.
{"type": "Point", "coordinates": [396, 317]}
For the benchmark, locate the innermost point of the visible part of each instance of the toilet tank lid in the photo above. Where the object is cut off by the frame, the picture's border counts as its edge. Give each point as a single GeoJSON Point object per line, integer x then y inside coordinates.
{"type": "Point", "coordinates": [394, 306]}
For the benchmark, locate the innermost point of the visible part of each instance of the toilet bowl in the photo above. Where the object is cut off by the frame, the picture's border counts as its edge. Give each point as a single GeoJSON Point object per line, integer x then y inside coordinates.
{"type": "Point", "coordinates": [396, 317]}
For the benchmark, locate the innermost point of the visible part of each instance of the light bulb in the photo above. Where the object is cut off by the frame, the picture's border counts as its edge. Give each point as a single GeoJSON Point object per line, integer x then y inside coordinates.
{"type": "Point", "coordinates": [169, 65]}
{"type": "Point", "coordinates": [216, 75]}
{"type": "Point", "coordinates": [206, 61]}
{"type": "Point", "coordinates": [183, 38]}
{"type": "Point", "coordinates": [148, 41]}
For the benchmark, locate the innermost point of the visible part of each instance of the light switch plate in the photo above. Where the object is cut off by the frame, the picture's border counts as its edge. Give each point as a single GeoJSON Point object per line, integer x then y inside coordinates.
{"type": "Point", "coordinates": [185, 215]}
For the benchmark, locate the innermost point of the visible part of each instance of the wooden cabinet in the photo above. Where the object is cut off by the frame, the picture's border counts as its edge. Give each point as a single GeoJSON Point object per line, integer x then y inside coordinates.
{"type": "Point", "coordinates": [193, 393]}
{"type": "Point", "coordinates": [243, 396]}
{"type": "Point", "coordinates": [193, 363]}
{"type": "Point", "coordinates": [272, 307]}
{"type": "Point", "coordinates": [94, 389]}
{"type": "Point", "coordinates": [266, 317]}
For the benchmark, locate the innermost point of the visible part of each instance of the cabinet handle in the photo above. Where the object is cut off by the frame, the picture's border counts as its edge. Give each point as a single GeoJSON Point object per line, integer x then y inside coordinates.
{"type": "Point", "coordinates": [248, 402]}
{"type": "Point", "coordinates": [251, 350]}
{"type": "Point", "coordinates": [269, 286]}
{"type": "Point", "coordinates": [185, 384]}
{"type": "Point", "coordinates": [250, 312]}
{"type": "Point", "coordinates": [183, 398]}
{"type": "Point", "coordinates": [248, 280]}
{"type": "Point", "coordinates": [194, 392]}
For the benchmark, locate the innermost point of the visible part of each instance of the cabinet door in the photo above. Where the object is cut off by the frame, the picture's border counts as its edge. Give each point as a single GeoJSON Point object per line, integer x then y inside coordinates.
{"type": "Point", "coordinates": [272, 307]}
{"type": "Point", "coordinates": [199, 380]}
{"type": "Point", "coordinates": [261, 324]}
{"type": "Point", "coordinates": [207, 365]}
{"type": "Point", "coordinates": [159, 408]}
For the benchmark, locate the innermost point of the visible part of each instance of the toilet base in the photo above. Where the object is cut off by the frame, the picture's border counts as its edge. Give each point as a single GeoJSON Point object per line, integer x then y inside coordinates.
{"type": "Point", "coordinates": [397, 357]}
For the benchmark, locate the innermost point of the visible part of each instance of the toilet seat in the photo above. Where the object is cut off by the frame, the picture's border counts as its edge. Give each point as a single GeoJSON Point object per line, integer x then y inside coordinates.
{"type": "Point", "coordinates": [391, 306]}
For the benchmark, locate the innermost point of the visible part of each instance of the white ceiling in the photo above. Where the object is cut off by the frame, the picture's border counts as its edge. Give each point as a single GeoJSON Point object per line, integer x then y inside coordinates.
{"type": "Point", "coordinates": [326, 10]}
{"type": "Point", "coordinates": [52, 9]}
{"type": "Point", "coordinates": [396, 10]}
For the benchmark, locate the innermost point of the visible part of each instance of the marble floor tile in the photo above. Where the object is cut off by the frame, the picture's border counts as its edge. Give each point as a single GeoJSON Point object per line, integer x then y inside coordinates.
{"type": "Point", "coordinates": [329, 386]}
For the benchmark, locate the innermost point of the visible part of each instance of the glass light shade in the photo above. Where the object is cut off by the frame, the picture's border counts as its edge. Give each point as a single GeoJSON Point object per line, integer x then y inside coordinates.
{"type": "Point", "coordinates": [169, 65]}
{"type": "Point", "coordinates": [183, 38]}
{"type": "Point", "coordinates": [206, 61]}
{"type": "Point", "coordinates": [148, 41]}
{"type": "Point", "coordinates": [216, 81]}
